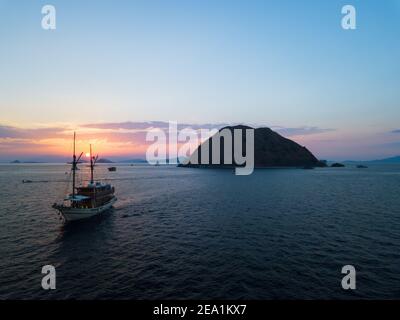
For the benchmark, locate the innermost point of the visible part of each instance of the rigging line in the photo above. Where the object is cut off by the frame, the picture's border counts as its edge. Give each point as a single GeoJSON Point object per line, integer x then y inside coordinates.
{"type": "Point", "coordinates": [68, 180]}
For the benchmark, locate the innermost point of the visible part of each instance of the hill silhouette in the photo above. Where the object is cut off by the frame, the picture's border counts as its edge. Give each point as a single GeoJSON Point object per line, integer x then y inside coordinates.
{"type": "Point", "coordinates": [270, 150]}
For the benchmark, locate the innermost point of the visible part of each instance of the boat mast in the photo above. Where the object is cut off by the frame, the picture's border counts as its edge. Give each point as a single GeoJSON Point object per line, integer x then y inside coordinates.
{"type": "Point", "coordinates": [93, 161]}
{"type": "Point", "coordinates": [75, 161]}
{"type": "Point", "coordinates": [91, 166]}
{"type": "Point", "coordinates": [73, 169]}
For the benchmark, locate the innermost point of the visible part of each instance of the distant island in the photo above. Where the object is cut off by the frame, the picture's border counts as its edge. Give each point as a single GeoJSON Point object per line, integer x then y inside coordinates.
{"type": "Point", "coordinates": [101, 160]}
{"type": "Point", "coordinates": [261, 148]}
{"type": "Point", "coordinates": [27, 162]}
{"type": "Point", "coordinates": [395, 159]}
{"type": "Point", "coordinates": [61, 160]}
{"type": "Point", "coordinates": [270, 150]}
{"type": "Point", "coordinates": [337, 165]}
{"type": "Point", "coordinates": [133, 161]}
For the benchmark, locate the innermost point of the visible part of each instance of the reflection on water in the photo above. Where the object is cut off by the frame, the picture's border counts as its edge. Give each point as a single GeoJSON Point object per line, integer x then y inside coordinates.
{"type": "Point", "coordinates": [190, 233]}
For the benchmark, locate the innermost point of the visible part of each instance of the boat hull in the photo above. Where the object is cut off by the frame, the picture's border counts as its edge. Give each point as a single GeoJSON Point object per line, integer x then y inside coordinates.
{"type": "Point", "coordinates": [74, 214]}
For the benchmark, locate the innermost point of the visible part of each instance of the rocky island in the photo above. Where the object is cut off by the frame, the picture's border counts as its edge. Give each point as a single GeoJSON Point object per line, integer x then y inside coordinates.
{"type": "Point", "coordinates": [270, 150]}
{"type": "Point", "coordinates": [337, 165]}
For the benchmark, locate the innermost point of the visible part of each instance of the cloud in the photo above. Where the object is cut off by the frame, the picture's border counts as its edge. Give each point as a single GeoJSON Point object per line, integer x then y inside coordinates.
{"type": "Point", "coordinates": [393, 144]}
{"type": "Point", "coordinates": [164, 125]}
{"type": "Point", "coordinates": [129, 125]}
{"type": "Point", "coordinates": [300, 131]}
{"type": "Point", "coordinates": [27, 133]}
{"type": "Point", "coordinates": [395, 131]}
{"type": "Point", "coordinates": [20, 143]}
{"type": "Point", "coordinates": [110, 138]}
{"type": "Point", "coordinates": [127, 132]}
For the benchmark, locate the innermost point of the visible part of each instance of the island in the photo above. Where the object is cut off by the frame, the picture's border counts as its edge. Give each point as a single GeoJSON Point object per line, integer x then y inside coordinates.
{"type": "Point", "coordinates": [337, 165]}
{"type": "Point", "coordinates": [270, 150]}
{"type": "Point", "coordinates": [101, 160]}
{"type": "Point", "coordinates": [25, 162]}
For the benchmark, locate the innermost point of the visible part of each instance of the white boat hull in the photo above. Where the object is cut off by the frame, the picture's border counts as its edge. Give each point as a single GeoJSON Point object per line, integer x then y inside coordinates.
{"type": "Point", "coordinates": [73, 214]}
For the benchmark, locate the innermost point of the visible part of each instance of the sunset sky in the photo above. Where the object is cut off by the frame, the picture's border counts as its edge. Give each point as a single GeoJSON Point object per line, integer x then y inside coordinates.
{"type": "Point", "coordinates": [113, 69]}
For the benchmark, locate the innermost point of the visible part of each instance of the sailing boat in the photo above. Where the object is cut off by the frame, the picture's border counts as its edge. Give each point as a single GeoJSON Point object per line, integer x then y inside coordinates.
{"type": "Point", "coordinates": [89, 200]}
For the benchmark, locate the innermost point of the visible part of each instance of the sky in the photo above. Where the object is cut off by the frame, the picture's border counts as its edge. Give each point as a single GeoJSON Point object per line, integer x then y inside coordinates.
{"type": "Point", "coordinates": [113, 69]}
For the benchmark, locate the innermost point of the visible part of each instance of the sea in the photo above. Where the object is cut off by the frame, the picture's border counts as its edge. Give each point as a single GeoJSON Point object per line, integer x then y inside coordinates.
{"type": "Point", "coordinates": [185, 233]}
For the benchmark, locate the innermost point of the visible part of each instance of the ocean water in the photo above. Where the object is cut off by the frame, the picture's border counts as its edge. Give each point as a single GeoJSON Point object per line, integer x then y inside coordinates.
{"type": "Point", "coordinates": [180, 233]}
